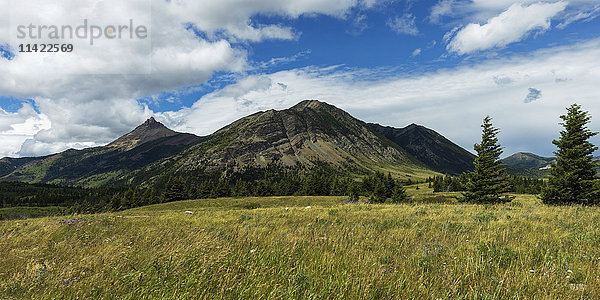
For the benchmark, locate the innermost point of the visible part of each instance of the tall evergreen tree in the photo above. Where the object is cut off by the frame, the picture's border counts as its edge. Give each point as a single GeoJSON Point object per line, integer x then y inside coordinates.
{"type": "Point", "coordinates": [572, 179]}
{"type": "Point", "coordinates": [489, 182]}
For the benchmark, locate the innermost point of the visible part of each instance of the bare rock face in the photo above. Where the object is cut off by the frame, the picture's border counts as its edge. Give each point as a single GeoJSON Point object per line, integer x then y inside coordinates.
{"type": "Point", "coordinates": [149, 131]}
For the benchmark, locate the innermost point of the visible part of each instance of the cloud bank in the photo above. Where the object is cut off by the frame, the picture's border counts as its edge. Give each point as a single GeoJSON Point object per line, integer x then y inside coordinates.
{"type": "Point", "coordinates": [510, 26]}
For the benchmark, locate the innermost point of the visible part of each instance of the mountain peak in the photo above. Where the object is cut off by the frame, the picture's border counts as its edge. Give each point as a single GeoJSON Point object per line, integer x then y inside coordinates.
{"type": "Point", "coordinates": [148, 131]}
{"type": "Point", "coordinates": [527, 160]}
{"type": "Point", "coordinates": [309, 104]}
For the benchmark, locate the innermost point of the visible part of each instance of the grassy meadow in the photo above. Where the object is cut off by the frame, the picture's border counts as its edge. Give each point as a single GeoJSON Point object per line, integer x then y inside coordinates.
{"type": "Point", "coordinates": [308, 247]}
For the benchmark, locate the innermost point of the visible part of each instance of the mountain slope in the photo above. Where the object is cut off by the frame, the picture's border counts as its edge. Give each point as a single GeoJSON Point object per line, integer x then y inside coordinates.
{"type": "Point", "coordinates": [429, 147]}
{"type": "Point", "coordinates": [308, 134]}
{"type": "Point", "coordinates": [527, 164]}
{"type": "Point", "coordinates": [525, 160]}
{"type": "Point", "coordinates": [102, 165]}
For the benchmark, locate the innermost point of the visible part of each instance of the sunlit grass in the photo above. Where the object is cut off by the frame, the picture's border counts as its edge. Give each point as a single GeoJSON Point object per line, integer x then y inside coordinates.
{"type": "Point", "coordinates": [279, 247]}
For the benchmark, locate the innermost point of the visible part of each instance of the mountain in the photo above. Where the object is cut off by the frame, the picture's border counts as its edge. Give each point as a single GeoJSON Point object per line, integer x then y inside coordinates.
{"type": "Point", "coordinates": [149, 131]}
{"type": "Point", "coordinates": [527, 164]}
{"type": "Point", "coordinates": [98, 166]}
{"type": "Point", "coordinates": [309, 134]}
{"type": "Point", "coordinates": [429, 147]}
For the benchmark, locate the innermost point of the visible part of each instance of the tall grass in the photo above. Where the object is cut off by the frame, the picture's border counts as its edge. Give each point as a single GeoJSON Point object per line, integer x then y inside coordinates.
{"type": "Point", "coordinates": [280, 247]}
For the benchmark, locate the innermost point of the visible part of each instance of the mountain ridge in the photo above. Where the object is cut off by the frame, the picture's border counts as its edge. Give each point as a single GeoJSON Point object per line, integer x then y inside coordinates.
{"type": "Point", "coordinates": [307, 134]}
{"type": "Point", "coordinates": [429, 147]}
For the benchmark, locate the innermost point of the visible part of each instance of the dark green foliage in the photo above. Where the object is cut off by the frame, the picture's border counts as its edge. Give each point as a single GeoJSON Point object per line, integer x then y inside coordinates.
{"type": "Point", "coordinates": [489, 182]}
{"type": "Point", "coordinates": [242, 189]}
{"type": "Point", "coordinates": [175, 190]}
{"type": "Point", "coordinates": [18, 194]}
{"type": "Point", "coordinates": [381, 188]}
{"type": "Point", "coordinates": [448, 183]}
{"type": "Point", "coordinates": [272, 180]}
{"type": "Point", "coordinates": [526, 185]}
{"type": "Point", "coordinates": [399, 194]}
{"type": "Point", "coordinates": [572, 179]}
{"type": "Point", "coordinates": [517, 184]}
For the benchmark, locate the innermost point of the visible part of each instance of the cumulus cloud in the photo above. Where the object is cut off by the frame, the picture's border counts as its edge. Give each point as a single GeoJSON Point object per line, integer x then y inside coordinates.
{"type": "Point", "coordinates": [534, 94]}
{"type": "Point", "coordinates": [417, 52]}
{"type": "Point", "coordinates": [88, 102]}
{"type": "Point", "coordinates": [434, 99]}
{"type": "Point", "coordinates": [75, 111]}
{"type": "Point", "coordinates": [17, 127]}
{"type": "Point", "coordinates": [510, 26]}
{"type": "Point", "coordinates": [404, 24]}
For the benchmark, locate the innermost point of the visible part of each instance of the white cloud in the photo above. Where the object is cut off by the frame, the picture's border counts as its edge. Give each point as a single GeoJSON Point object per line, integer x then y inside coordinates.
{"type": "Point", "coordinates": [404, 24]}
{"type": "Point", "coordinates": [585, 16]}
{"type": "Point", "coordinates": [88, 110]}
{"type": "Point", "coordinates": [417, 52]}
{"type": "Point", "coordinates": [452, 101]}
{"type": "Point", "coordinates": [17, 127]}
{"type": "Point", "coordinates": [84, 105]}
{"type": "Point", "coordinates": [479, 11]}
{"type": "Point", "coordinates": [82, 124]}
{"type": "Point", "coordinates": [442, 8]}
{"type": "Point", "coordinates": [510, 26]}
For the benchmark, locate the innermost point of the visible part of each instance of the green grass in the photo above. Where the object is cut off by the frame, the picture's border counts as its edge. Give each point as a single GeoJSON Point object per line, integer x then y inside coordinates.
{"type": "Point", "coordinates": [12, 213]}
{"type": "Point", "coordinates": [279, 248]}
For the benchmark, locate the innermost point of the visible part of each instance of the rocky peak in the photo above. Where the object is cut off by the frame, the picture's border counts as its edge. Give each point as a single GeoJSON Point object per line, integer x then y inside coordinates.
{"type": "Point", "coordinates": [152, 123]}
{"type": "Point", "coordinates": [148, 131]}
{"type": "Point", "coordinates": [309, 104]}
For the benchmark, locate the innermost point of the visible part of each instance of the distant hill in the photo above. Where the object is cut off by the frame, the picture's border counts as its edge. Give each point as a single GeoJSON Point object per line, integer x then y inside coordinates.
{"type": "Point", "coordinates": [528, 164]}
{"type": "Point", "coordinates": [308, 134]}
{"type": "Point", "coordinates": [429, 147]}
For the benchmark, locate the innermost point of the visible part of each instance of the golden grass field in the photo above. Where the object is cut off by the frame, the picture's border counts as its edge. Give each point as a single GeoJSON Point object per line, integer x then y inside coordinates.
{"type": "Point", "coordinates": [279, 247]}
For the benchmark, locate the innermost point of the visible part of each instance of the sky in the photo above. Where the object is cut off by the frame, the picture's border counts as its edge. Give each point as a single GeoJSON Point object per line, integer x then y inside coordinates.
{"type": "Point", "coordinates": [444, 64]}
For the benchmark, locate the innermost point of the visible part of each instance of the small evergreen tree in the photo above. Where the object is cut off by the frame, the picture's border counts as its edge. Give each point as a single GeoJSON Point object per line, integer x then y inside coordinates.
{"type": "Point", "coordinates": [399, 193]}
{"type": "Point", "coordinates": [489, 182]}
{"type": "Point", "coordinates": [572, 179]}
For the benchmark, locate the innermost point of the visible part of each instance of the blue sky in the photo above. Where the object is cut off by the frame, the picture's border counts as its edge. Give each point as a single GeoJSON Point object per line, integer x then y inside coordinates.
{"type": "Point", "coordinates": [444, 64]}
{"type": "Point", "coordinates": [364, 38]}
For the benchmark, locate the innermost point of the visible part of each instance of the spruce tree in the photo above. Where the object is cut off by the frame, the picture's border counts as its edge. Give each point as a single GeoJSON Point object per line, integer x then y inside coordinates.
{"type": "Point", "coordinates": [572, 179]}
{"type": "Point", "coordinates": [399, 193]}
{"type": "Point", "coordinates": [489, 182]}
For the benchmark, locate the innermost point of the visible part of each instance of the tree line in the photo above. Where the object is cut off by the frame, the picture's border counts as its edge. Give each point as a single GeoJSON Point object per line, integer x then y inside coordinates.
{"type": "Point", "coordinates": [517, 184]}
{"type": "Point", "coordinates": [320, 181]}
